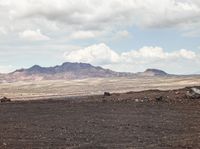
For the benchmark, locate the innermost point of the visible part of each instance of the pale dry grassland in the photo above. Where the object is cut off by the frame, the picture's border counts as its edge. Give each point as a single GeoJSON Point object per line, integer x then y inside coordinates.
{"type": "Point", "coordinates": [92, 86]}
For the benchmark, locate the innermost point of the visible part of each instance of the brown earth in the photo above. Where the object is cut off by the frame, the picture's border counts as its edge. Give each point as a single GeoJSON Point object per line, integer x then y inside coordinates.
{"type": "Point", "coordinates": [129, 120]}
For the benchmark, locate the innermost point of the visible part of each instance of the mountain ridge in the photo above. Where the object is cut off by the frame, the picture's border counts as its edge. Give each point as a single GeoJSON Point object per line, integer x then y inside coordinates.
{"type": "Point", "coordinates": [66, 71]}
{"type": "Point", "coordinates": [70, 71]}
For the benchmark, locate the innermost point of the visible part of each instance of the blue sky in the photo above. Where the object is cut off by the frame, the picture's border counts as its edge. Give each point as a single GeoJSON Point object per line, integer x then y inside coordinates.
{"type": "Point", "coordinates": [168, 38]}
{"type": "Point", "coordinates": [129, 36]}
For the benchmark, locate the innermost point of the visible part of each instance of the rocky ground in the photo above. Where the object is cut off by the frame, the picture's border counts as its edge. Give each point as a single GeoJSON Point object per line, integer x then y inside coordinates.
{"type": "Point", "coordinates": [148, 119]}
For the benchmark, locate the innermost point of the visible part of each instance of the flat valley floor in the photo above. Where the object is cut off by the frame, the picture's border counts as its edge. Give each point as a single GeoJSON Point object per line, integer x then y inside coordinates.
{"type": "Point", "coordinates": [92, 86]}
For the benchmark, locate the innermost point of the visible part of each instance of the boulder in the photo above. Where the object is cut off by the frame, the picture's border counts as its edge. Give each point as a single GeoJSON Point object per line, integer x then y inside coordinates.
{"type": "Point", "coordinates": [159, 98]}
{"type": "Point", "coordinates": [107, 94]}
{"type": "Point", "coordinates": [193, 93]}
{"type": "Point", "coordinates": [5, 99]}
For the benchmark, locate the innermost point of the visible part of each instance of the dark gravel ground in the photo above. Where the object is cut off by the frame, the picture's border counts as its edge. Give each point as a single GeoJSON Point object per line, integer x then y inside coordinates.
{"type": "Point", "coordinates": [100, 125]}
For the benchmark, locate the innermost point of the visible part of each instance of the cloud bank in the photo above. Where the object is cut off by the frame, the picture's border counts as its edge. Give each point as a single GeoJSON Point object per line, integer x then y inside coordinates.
{"type": "Point", "coordinates": [136, 60]}
{"type": "Point", "coordinates": [94, 15]}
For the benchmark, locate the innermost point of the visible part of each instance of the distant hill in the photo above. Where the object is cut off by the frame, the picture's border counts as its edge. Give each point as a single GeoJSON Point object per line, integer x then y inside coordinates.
{"type": "Point", "coordinates": [153, 72]}
{"type": "Point", "coordinates": [69, 71]}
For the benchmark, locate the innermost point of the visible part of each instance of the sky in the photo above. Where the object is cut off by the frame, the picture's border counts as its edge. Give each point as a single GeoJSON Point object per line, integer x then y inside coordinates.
{"type": "Point", "coordinates": [122, 35]}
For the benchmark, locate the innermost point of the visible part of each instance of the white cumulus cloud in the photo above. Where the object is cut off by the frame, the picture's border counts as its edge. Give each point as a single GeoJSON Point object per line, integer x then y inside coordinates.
{"type": "Point", "coordinates": [136, 60]}
{"type": "Point", "coordinates": [96, 54]}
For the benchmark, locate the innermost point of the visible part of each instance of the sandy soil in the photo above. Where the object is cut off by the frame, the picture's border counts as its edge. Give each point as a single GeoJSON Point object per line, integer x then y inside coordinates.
{"type": "Point", "coordinates": [62, 88]}
{"type": "Point", "coordinates": [103, 122]}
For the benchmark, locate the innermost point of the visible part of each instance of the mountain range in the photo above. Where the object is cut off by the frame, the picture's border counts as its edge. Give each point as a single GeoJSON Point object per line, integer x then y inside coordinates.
{"type": "Point", "coordinates": [69, 71]}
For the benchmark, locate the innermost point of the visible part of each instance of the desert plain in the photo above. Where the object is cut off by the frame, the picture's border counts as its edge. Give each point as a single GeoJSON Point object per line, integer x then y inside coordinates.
{"type": "Point", "coordinates": [92, 86]}
{"type": "Point", "coordinates": [76, 115]}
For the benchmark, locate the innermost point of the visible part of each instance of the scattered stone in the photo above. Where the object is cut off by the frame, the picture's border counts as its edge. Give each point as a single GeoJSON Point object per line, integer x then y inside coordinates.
{"type": "Point", "coordinates": [145, 98]}
{"type": "Point", "coordinates": [177, 92]}
{"type": "Point", "coordinates": [136, 100]}
{"type": "Point", "coordinates": [196, 90]}
{"type": "Point", "coordinates": [107, 94]}
{"type": "Point", "coordinates": [5, 99]}
{"type": "Point", "coordinates": [160, 98]}
{"type": "Point", "coordinates": [193, 93]}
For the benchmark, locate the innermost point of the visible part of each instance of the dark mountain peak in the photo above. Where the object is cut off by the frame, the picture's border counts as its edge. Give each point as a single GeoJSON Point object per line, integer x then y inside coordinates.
{"type": "Point", "coordinates": [82, 65]}
{"type": "Point", "coordinates": [155, 72]}
{"type": "Point", "coordinates": [35, 67]}
{"type": "Point", "coordinates": [19, 70]}
{"type": "Point", "coordinates": [75, 67]}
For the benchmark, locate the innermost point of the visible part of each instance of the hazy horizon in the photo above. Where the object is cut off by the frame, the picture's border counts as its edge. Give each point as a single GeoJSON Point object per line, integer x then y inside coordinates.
{"type": "Point", "coordinates": [124, 36]}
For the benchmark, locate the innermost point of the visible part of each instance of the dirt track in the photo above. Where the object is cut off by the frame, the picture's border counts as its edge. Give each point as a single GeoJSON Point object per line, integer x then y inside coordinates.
{"type": "Point", "coordinates": [95, 124]}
